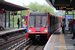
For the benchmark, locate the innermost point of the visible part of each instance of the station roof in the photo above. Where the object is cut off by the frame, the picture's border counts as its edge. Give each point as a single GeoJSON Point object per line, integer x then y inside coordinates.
{"type": "Point", "coordinates": [62, 4]}
{"type": "Point", "coordinates": [11, 7]}
{"type": "Point", "coordinates": [50, 3]}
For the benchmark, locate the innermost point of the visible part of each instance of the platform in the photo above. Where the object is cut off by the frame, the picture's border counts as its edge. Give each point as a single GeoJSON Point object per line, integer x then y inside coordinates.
{"type": "Point", "coordinates": [11, 30]}
{"type": "Point", "coordinates": [60, 41]}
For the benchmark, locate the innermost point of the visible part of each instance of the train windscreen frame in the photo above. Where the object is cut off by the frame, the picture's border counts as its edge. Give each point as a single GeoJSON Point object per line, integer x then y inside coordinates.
{"type": "Point", "coordinates": [38, 20]}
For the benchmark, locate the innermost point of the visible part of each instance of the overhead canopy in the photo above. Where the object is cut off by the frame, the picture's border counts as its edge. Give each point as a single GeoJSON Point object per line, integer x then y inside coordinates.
{"type": "Point", "coordinates": [11, 7]}
{"type": "Point", "coordinates": [50, 3]}
{"type": "Point", "coordinates": [62, 4]}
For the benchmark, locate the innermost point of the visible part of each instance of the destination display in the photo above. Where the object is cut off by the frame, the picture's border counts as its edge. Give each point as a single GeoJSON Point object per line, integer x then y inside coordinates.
{"type": "Point", "coordinates": [65, 8]}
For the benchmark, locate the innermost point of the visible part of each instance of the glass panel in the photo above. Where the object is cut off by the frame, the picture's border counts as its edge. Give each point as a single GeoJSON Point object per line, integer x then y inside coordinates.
{"type": "Point", "coordinates": [74, 16]}
{"type": "Point", "coordinates": [38, 21]}
{"type": "Point", "coordinates": [66, 13]}
{"type": "Point", "coordinates": [31, 21]}
{"type": "Point", "coordinates": [16, 20]}
{"type": "Point", "coordinates": [2, 20]}
{"type": "Point", "coordinates": [69, 12]}
{"type": "Point", "coordinates": [74, 12]}
{"type": "Point", "coordinates": [44, 21]}
{"type": "Point", "coordinates": [7, 19]}
{"type": "Point", "coordinates": [11, 20]}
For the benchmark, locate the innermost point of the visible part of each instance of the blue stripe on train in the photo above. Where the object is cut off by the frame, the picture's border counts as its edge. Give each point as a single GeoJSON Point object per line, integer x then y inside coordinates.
{"type": "Point", "coordinates": [74, 26]}
{"type": "Point", "coordinates": [26, 29]}
{"type": "Point", "coordinates": [49, 29]}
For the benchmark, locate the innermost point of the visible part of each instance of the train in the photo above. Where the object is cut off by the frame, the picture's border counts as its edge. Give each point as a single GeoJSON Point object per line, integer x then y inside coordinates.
{"type": "Point", "coordinates": [40, 25]}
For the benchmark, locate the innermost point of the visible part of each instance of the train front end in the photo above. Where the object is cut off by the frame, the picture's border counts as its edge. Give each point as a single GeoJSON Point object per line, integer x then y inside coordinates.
{"type": "Point", "coordinates": [38, 26]}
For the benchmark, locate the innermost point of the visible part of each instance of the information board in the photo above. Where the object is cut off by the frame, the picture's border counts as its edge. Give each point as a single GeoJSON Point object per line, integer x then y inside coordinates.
{"type": "Point", "coordinates": [66, 8]}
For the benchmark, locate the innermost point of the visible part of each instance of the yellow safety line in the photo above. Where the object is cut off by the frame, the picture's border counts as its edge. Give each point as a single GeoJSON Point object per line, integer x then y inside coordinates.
{"type": "Point", "coordinates": [53, 42]}
{"type": "Point", "coordinates": [62, 45]}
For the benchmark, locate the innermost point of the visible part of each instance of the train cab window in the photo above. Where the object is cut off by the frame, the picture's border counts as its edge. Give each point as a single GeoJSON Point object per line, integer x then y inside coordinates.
{"type": "Point", "coordinates": [38, 21]}
{"type": "Point", "coordinates": [44, 21]}
{"type": "Point", "coordinates": [31, 21]}
{"type": "Point", "coordinates": [41, 21]}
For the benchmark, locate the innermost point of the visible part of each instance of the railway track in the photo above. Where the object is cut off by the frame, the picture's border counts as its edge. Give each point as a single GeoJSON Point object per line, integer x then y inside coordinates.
{"type": "Point", "coordinates": [21, 45]}
{"type": "Point", "coordinates": [12, 41]}
{"type": "Point", "coordinates": [35, 47]}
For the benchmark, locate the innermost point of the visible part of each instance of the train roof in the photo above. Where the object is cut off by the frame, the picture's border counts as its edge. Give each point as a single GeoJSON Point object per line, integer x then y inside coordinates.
{"type": "Point", "coordinates": [49, 14]}
{"type": "Point", "coordinates": [53, 15]}
{"type": "Point", "coordinates": [61, 16]}
{"type": "Point", "coordinates": [38, 13]}
{"type": "Point", "coordinates": [56, 16]}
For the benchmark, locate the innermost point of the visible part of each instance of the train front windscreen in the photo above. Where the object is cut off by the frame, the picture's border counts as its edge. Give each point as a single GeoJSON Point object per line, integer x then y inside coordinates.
{"type": "Point", "coordinates": [38, 20]}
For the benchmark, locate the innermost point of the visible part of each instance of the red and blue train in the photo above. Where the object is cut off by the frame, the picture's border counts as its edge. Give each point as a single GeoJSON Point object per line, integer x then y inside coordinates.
{"type": "Point", "coordinates": [40, 25]}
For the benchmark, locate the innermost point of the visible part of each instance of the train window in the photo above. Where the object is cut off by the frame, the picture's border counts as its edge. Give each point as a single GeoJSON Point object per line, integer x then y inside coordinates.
{"type": "Point", "coordinates": [50, 20]}
{"type": "Point", "coordinates": [60, 20]}
{"type": "Point", "coordinates": [56, 20]}
{"type": "Point", "coordinates": [38, 21]}
{"type": "Point", "coordinates": [31, 21]}
{"type": "Point", "coordinates": [44, 21]}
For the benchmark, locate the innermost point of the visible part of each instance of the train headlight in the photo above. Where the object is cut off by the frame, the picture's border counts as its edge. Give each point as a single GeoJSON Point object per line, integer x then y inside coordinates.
{"type": "Point", "coordinates": [45, 30]}
{"type": "Point", "coordinates": [29, 30]}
